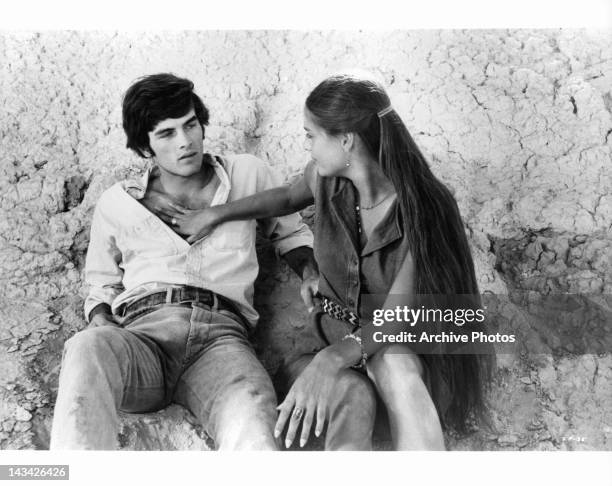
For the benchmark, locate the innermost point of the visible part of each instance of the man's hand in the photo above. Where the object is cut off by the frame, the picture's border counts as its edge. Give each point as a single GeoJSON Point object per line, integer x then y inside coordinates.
{"type": "Point", "coordinates": [310, 287]}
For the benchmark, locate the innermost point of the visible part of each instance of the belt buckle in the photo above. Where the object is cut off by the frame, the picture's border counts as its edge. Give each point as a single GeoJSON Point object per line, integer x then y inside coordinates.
{"type": "Point", "coordinates": [177, 295]}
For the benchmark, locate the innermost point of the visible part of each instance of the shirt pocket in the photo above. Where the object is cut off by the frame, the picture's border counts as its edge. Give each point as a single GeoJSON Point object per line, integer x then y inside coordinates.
{"type": "Point", "coordinates": [232, 236]}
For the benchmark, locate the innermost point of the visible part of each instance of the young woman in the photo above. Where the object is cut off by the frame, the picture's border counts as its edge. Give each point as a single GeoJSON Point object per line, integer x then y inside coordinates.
{"type": "Point", "coordinates": [384, 224]}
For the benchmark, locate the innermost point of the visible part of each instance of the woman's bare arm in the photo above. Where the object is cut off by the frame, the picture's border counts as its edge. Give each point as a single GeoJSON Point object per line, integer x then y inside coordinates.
{"type": "Point", "coordinates": [279, 201]}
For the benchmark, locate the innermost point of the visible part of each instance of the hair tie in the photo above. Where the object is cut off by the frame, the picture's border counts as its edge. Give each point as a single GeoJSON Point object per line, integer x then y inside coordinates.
{"type": "Point", "coordinates": [384, 111]}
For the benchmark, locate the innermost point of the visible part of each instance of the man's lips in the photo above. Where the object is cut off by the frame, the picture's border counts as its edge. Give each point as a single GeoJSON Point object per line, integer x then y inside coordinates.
{"type": "Point", "coordinates": [187, 156]}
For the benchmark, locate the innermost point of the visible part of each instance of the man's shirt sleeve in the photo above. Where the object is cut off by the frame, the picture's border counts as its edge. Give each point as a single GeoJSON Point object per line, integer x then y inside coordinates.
{"type": "Point", "coordinates": [285, 233]}
{"type": "Point", "coordinates": [103, 274]}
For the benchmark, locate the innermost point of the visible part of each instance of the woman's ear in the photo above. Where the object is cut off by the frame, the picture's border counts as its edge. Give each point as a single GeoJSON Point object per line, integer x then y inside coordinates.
{"type": "Point", "coordinates": [347, 141]}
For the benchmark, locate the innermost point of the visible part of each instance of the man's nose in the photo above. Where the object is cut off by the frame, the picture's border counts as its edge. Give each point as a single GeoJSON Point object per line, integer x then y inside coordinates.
{"type": "Point", "coordinates": [182, 139]}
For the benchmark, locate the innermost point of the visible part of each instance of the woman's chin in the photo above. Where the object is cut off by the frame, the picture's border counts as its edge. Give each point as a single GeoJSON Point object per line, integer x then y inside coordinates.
{"type": "Point", "coordinates": [323, 172]}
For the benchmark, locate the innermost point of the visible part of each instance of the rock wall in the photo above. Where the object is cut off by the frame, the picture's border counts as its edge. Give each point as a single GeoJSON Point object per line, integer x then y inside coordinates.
{"type": "Point", "coordinates": [518, 123]}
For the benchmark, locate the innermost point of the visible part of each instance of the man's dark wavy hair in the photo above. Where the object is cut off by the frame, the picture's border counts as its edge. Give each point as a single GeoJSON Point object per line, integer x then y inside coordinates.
{"type": "Point", "coordinates": [154, 98]}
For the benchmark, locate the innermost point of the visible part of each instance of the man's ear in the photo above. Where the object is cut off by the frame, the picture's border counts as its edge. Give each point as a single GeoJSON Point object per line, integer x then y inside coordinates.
{"type": "Point", "coordinates": [147, 152]}
{"type": "Point", "coordinates": [347, 141]}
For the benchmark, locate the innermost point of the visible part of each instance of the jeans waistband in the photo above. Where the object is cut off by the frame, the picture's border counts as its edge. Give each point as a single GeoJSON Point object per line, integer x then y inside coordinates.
{"type": "Point", "coordinates": [184, 295]}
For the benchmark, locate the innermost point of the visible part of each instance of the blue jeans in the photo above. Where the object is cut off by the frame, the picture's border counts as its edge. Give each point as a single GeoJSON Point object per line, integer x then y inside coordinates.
{"type": "Point", "coordinates": [188, 354]}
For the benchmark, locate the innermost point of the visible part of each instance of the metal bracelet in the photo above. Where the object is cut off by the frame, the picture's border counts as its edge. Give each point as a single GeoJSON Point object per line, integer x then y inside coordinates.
{"type": "Point", "coordinates": [364, 356]}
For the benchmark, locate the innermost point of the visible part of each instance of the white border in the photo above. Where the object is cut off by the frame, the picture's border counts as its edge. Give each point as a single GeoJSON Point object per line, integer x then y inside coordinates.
{"type": "Point", "coordinates": [312, 469]}
{"type": "Point", "coordinates": [304, 14]}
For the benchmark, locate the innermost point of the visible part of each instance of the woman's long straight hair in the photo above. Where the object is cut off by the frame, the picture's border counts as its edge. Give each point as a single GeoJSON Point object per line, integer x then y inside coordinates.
{"type": "Point", "coordinates": [431, 220]}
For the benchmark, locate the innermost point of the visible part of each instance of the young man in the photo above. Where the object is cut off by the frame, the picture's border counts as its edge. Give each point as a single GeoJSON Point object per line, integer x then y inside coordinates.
{"type": "Point", "coordinates": [169, 320]}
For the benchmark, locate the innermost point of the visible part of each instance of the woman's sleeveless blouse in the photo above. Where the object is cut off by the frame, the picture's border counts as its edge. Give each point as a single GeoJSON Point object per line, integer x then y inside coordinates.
{"type": "Point", "coordinates": [345, 272]}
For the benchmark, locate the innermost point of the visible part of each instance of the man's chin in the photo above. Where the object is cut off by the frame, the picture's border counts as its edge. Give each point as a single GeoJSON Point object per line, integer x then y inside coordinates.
{"type": "Point", "coordinates": [190, 164]}
{"type": "Point", "coordinates": [186, 171]}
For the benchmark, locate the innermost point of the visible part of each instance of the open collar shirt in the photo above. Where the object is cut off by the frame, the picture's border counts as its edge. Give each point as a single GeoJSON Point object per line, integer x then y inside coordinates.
{"type": "Point", "coordinates": [132, 252]}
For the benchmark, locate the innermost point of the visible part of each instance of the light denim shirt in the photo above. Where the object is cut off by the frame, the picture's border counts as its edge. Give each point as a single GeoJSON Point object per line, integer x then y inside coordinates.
{"type": "Point", "coordinates": [132, 252]}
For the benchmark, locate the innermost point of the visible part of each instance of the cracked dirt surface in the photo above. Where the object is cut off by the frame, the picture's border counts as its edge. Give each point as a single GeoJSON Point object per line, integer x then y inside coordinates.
{"type": "Point", "coordinates": [516, 122]}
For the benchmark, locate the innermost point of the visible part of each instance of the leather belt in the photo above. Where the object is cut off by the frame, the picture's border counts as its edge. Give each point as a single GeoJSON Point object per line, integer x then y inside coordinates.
{"type": "Point", "coordinates": [336, 311]}
{"type": "Point", "coordinates": [184, 295]}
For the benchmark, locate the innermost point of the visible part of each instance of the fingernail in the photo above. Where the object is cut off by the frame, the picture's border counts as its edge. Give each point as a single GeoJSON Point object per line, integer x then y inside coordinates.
{"type": "Point", "coordinates": [317, 432]}
{"type": "Point", "coordinates": [276, 433]}
{"type": "Point", "coordinates": [287, 443]}
{"type": "Point", "coordinates": [302, 442]}
{"type": "Point", "coordinates": [310, 309]}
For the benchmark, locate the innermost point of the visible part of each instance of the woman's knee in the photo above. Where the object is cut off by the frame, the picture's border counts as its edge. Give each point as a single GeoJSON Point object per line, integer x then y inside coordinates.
{"type": "Point", "coordinates": [355, 390]}
{"type": "Point", "coordinates": [395, 365]}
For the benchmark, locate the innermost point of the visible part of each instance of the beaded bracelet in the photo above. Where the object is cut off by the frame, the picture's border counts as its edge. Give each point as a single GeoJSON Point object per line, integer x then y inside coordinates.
{"type": "Point", "coordinates": [364, 356]}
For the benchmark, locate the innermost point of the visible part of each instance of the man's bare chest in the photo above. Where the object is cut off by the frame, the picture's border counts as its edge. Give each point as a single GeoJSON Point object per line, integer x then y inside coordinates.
{"type": "Point", "coordinates": [200, 199]}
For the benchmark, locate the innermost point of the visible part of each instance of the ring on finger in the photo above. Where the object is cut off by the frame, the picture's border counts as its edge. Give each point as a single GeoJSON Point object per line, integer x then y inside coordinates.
{"type": "Point", "coordinates": [298, 412]}
{"type": "Point", "coordinates": [173, 221]}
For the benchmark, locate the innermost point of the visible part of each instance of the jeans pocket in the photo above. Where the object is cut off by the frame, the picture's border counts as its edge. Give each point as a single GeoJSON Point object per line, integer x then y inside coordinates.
{"type": "Point", "coordinates": [231, 315]}
{"type": "Point", "coordinates": [132, 316]}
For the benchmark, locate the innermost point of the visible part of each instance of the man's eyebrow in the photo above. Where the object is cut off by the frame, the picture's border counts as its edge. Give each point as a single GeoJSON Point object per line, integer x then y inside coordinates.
{"type": "Point", "coordinates": [162, 131]}
{"type": "Point", "coordinates": [170, 129]}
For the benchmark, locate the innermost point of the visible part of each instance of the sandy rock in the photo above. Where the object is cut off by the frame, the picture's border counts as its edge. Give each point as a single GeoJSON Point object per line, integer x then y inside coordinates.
{"type": "Point", "coordinates": [22, 415]}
